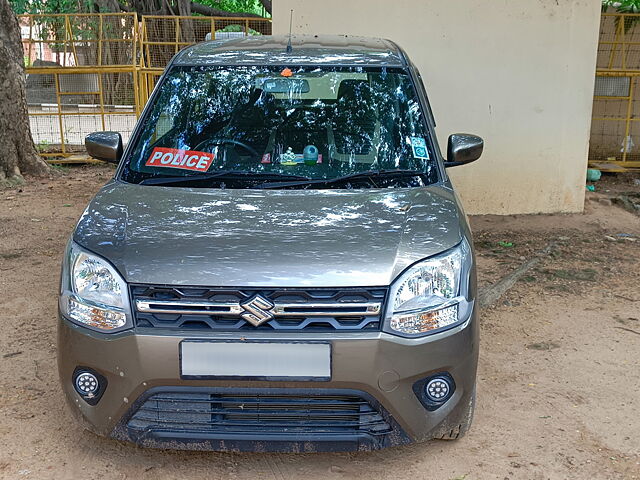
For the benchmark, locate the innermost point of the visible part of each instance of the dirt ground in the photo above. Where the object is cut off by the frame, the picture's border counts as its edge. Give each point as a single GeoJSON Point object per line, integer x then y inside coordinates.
{"type": "Point", "coordinates": [558, 385]}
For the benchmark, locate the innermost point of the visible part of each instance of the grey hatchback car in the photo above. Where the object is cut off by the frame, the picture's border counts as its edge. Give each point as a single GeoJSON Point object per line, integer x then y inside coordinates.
{"type": "Point", "coordinates": [280, 262]}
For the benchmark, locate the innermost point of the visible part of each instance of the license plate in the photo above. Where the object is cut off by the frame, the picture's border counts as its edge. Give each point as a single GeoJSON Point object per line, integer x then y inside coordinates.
{"type": "Point", "coordinates": [255, 360]}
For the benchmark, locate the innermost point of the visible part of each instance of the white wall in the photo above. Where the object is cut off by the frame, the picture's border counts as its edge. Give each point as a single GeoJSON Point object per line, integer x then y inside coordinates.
{"type": "Point", "coordinates": [519, 73]}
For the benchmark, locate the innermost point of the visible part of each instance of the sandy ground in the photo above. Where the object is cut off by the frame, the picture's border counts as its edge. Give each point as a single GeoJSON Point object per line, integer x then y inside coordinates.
{"type": "Point", "coordinates": [559, 378]}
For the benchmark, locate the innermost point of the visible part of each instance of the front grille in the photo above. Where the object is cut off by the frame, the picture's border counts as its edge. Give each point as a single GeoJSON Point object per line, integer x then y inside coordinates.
{"type": "Point", "coordinates": [288, 309]}
{"type": "Point", "coordinates": [210, 412]}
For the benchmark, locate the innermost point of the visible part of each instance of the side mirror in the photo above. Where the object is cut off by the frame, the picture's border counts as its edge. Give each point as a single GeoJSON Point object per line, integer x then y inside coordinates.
{"type": "Point", "coordinates": [105, 146]}
{"type": "Point", "coordinates": [462, 149]}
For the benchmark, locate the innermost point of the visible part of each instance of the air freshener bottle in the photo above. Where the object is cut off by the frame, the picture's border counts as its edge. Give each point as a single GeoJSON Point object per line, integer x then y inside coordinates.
{"type": "Point", "coordinates": [310, 155]}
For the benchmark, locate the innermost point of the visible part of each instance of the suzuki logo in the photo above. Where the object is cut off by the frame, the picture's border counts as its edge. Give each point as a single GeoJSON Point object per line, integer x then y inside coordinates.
{"type": "Point", "coordinates": [257, 310]}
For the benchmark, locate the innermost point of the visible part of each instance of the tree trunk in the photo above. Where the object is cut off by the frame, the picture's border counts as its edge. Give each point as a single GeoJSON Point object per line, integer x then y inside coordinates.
{"type": "Point", "coordinates": [18, 154]}
{"type": "Point", "coordinates": [186, 26]}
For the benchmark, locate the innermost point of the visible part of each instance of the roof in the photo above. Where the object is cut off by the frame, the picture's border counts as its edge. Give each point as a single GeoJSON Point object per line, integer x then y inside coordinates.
{"type": "Point", "coordinates": [306, 50]}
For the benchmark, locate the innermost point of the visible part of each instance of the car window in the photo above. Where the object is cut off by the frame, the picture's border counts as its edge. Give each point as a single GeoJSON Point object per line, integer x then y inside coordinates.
{"type": "Point", "coordinates": [315, 123]}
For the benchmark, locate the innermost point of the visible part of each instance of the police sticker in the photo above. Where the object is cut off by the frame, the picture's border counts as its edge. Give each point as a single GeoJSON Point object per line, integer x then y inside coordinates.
{"type": "Point", "coordinates": [182, 159]}
{"type": "Point", "coordinates": [419, 147]}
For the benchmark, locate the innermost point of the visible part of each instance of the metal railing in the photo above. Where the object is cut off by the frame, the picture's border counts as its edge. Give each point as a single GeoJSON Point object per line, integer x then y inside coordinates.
{"type": "Point", "coordinates": [161, 37]}
{"type": "Point", "coordinates": [88, 72]}
{"type": "Point", "coordinates": [615, 125]}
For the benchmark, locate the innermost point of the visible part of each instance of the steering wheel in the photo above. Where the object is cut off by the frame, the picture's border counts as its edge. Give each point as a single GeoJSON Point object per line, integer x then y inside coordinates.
{"type": "Point", "coordinates": [221, 141]}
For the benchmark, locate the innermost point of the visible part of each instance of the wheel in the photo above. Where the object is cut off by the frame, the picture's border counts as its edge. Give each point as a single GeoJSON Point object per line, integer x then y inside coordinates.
{"type": "Point", "coordinates": [459, 430]}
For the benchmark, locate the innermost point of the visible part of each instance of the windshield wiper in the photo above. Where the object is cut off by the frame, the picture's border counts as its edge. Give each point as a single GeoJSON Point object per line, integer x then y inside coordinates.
{"type": "Point", "coordinates": [367, 174]}
{"type": "Point", "coordinates": [222, 174]}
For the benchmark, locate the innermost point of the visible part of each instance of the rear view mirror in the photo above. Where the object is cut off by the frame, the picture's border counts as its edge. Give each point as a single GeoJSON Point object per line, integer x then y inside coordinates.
{"type": "Point", "coordinates": [462, 149]}
{"type": "Point", "coordinates": [106, 146]}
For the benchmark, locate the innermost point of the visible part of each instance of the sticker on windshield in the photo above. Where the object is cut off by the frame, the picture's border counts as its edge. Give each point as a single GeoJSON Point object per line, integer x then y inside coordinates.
{"type": "Point", "coordinates": [183, 159]}
{"type": "Point", "coordinates": [419, 147]}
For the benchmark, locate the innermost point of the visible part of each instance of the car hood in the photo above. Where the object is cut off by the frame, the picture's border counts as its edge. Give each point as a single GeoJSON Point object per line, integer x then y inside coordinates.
{"type": "Point", "coordinates": [283, 238]}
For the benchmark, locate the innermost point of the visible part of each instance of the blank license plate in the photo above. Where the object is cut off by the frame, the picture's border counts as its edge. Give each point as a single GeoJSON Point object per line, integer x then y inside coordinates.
{"type": "Point", "coordinates": [257, 360]}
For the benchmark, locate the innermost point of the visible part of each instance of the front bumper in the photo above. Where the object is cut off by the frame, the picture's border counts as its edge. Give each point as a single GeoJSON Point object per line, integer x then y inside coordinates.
{"type": "Point", "coordinates": [378, 367]}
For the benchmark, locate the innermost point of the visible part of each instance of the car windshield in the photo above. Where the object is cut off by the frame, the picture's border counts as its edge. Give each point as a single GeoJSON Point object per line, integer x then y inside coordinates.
{"type": "Point", "coordinates": [287, 127]}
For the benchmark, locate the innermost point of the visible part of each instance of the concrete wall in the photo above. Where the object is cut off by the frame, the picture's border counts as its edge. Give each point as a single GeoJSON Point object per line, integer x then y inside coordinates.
{"type": "Point", "coordinates": [519, 73]}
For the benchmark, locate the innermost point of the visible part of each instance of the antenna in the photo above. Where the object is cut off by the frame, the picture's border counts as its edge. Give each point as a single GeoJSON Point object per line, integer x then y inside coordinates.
{"type": "Point", "coordinates": [289, 47]}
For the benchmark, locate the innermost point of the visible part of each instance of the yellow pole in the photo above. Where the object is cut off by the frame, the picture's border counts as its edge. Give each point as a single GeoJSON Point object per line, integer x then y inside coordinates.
{"type": "Point", "coordinates": [101, 90]}
{"type": "Point", "coordinates": [100, 42]}
{"type": "Point", "coordinates": [67, 24]}
{"type": "Point", "coordinates": [616, 40]}
{"type": "Point", "coordinates": [177, 34]}
{"type": "Point", "coordinates": [134, 41]}
{"type": "Point", "coordinates": [60, 122]}
{"type": "Point", "coordinates": [144, 39]}
{"type": "Point", "coordinates": [136, 93]}
{"type": "Point", "coordinates": [627, 128]}
{"type": "Point", "coordinates": [622, 48]}
{"type": "Point", "coordinates": [64, 51]}
{"type": "Point", "coordinates": [134, 65]}
{"type": "Point", "coordinates": [30, 39]}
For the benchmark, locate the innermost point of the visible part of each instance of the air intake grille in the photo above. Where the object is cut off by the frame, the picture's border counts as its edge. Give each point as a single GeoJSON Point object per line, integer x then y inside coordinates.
{"type": "Point", "coordinates": [288, 309]}
{"type": "Point", "coordinates": [224, 413]}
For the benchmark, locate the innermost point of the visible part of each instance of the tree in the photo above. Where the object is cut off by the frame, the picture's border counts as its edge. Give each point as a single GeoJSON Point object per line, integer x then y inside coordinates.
{"type": "Point", "coordinates": [18, 154]}
{"type": "Point", "coordinates": [218, 8]}
{"type": "Point", "coordinates": [622, 6]}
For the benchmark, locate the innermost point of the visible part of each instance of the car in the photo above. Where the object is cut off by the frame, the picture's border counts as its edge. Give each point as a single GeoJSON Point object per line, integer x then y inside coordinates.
{"type": "Point", "coordinates": [280, 262]}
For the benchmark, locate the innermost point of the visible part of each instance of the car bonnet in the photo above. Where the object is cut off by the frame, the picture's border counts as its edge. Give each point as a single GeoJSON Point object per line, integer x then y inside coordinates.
{"type": "Point", "coordinates": [284, 238]}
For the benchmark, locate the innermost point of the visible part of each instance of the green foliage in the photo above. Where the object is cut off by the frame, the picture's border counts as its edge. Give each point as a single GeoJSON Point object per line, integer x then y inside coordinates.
{"type": "Point", "coordinates": [19, 6]}
{"type": "Point", "coordinates": [77, 6]}
{"type": "Point", "coordinates": [238, 28]}
{"type": "Point", "coordinates": [245, 6]}
{"type": "Point", "coordinates": [53, 28]}
{"type": "Point", "coordinates": [622, 6]}
{"type": "Point", "coordinates": [49, 6]}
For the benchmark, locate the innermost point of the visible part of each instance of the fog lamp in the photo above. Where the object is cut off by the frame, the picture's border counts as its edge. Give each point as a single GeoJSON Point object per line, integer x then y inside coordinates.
{"type": "Point", "coordinates": [434, 391]}
{"type": "Point", "coordinates": [87, 384]}
{"type": "Point", "coordinates": [438, 389]}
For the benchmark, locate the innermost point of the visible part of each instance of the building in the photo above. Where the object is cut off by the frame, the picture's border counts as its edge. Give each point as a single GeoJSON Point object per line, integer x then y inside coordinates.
{"type": "Point", "coordinates": [519, 73]}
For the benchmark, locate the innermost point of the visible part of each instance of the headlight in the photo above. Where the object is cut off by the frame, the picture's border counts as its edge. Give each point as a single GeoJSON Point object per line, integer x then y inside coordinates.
{"type": "Point", "coordinates": [431, 295]}
{"type": "Point", "coordinates": [93, 293]}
